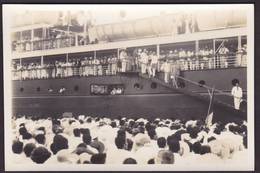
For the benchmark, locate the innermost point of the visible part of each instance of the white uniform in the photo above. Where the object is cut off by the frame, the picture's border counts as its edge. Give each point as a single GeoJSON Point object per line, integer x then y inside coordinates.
{"type": "Point", "coordinates": [144, 61]}
{"type": "Point", "coordinates": [237, 93]}
{"type": "Point", "coordinates": [154, 63]}
{"type": "Point", "coordinates": [166, 67]}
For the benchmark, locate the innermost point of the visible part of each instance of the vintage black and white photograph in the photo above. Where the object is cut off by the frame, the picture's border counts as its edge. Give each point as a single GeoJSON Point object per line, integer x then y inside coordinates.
{"type": "Point", "coordinates": [128, 87]}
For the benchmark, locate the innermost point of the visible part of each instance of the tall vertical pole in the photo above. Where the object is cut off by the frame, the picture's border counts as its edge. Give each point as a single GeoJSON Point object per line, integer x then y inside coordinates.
{"type": "Point", "coordinates": [118, 53]}
{"type": "Point", "coordinates": [95, 54]}
{"type": "Point", "coordinates": [196, 48]}
{"type": "Point", "coordinates": [42, 61]}
{"type": "Point", "coordinates": [214, 53]}
{"type": "Point", "coordinates": [239, 45]}
{"type": "Point", "coordinates": [21, 70]}
{"type": "Point", "coordinates": [67, 57]}
{"type": "Point", "coordinates": [158, 50]}
{"type": "Point", "coordinates": [32, 38]}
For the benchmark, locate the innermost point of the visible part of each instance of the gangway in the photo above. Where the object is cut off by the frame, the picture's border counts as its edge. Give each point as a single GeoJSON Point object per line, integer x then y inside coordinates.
{"type": "Point", "coordinates": [204, 98]}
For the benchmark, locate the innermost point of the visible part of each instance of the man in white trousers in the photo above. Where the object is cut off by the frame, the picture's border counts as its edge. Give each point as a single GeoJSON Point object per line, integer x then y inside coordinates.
{"type": "Point", "coordinates": [237, 94]}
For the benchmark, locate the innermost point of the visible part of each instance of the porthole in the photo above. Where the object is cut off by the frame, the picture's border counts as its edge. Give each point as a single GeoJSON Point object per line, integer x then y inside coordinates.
{"type": "Point", "coordinates": [21, 89]}
{"type": "Point", "coordinates": [38, 89]}
{"type": "Point", "coordinates": [234, 82]}
{"type": "Point", "coordinates": [201, 83]}
{"type": "Point", "coordinates": [76, 88]}
{"type": "Point", "coordinates": [153, 85]}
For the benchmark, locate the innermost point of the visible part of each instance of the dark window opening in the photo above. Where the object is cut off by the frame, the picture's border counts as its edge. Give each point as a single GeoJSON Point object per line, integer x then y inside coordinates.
{"type": "Point", "coordinates": [21, 89]}
{"type": "Point", "coordinates": [38, 89]}
{"type": "Point", "coordinates": [201, 83]}
{"type": "Point", "coordinates": [62, 90]}
{"type": "Point", "coordinates": [138, 86]}
{"type": "Point", "coordinates": [76, 88]}
{"type": "Point", "coordinates": [153, 85]}
{"type": "Point", "coordinates": [112, 89]}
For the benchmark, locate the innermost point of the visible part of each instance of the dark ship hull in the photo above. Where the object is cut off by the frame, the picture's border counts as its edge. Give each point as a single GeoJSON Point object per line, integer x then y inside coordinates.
{"type": "Point", "coordinates": [150, 99]}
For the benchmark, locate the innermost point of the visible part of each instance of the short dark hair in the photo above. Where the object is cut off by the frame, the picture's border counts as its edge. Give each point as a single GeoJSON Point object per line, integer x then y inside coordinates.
{"type": "Point", "coordinates": [120, 142]}
{"type": "Point", "coordinates": [40, 138]}
{"type": "Point", "coordinates": [28, 148]}
{"type": "Point", "coordinates": [76, 132]}
{"type": "Point", "coordinates": [27, 136]}
{"type": "Point", "coordinates": [84, 131]}
{"type": "Point", "coordinates": [86, 139]}
{"type": "Point", "coordinates": [17, 147]}
{"type": "Point", "coordinates": [152, 133]}
{"type": "Point", "coordinates": [151, 161]}
{"type": "Point", "coordinates": [205, 149]}
{"type": "Point", "coordinates": [82, 145]}
{"type": "Point", "coordinates": [129, 144]}
{"type": "Point", "coordinates": [22, 130]}
{"type": "Point", "coordinates": [196, 147]}
{"type": "Point", "coordinates": [89, 120]}
{"type": "Point", "coordinates": [161, 142]}
{"type": "Point", "coordinates": [122, 122]}
{"type": "Point", "coordinates": [173, 144]}
{"type": "Point", "coordinates": [99, 158]}
{"type": "Point", "coordinates": [212, 138]}
{"type": "Point", "coordinates": [113, 124]}
{"type": "Point", "coordinates": [129, 161]}
{"type": "Point", "coordinates": [40, 155]}
{"type": "Point", "coordinates": [59, 143]}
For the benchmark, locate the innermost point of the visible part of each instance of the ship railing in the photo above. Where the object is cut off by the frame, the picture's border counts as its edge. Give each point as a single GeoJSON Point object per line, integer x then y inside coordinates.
{"type": "Point", "coordinates": [66, 71]}
{"type": "Point", "coordinates": [209, 61]}
{"type": "Point", "coordinates": [111, 68]}
{"type": "Point", "coordinates": [51, 43]}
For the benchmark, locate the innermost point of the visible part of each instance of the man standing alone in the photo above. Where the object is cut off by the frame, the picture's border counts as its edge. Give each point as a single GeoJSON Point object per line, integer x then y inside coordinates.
{"type": "Point", "coordinates": [237, 94]}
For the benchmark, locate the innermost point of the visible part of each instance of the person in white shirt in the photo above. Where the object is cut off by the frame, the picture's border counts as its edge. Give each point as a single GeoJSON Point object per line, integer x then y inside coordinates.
{"type": "Point", "coordinates": [237, 93]}
{"type": "Point", "coordinates": [154, 62]}
{"type": "Point", "coordinates": [144, 61]}
{"type": "Point", "coordinates": [166, 67]}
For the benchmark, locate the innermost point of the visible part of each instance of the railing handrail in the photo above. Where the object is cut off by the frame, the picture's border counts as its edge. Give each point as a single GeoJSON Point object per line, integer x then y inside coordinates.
{"type": "Point", "coordinates": [208, 87]}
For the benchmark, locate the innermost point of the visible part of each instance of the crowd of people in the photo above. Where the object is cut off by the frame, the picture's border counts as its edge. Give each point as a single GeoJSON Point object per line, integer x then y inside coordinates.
{"type": "Point", "coordinates": [53, 41]}
{"type": "Point", "coordinates": [146, 61]}
{"type": "Point", "coordinates": [103, 140]}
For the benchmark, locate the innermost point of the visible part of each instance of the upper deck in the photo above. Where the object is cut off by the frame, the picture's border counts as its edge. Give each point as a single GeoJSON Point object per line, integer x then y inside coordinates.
{"type": "Point", "coordinates": [45, 39]}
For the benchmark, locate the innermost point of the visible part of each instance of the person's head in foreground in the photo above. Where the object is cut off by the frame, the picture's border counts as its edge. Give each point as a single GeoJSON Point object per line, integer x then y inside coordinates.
{"type": "Point", "coordinates": [129, 161]}
{"type": "Point", "coordinates": [98, 158]}
{"type": "Point", "coordinates": [164, 157]}
{"type": "Point", "coordinates": [40, 155]}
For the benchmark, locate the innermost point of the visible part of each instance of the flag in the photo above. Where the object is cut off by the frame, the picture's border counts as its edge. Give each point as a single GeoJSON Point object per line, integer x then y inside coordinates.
{"type": "Point", "coordinates": [209, 118]}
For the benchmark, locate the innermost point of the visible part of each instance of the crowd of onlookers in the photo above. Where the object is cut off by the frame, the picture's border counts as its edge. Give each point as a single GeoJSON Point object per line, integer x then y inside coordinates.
{"type": "Point", "coordinates": [54, 41]}
{"type": "Point", "coordinates": [103, 140]}
{"type": "Point", "coordinates": [142, 60]}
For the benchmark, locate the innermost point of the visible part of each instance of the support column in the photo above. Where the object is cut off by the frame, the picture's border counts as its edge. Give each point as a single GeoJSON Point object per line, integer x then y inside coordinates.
{"type": "Point", "coordinates": [42, 61]}
{"type": "Point", "coordinates": [67, 57]}
{"type": "Point", "coordinates": [118, 53]}
{"type": "Point", "coordinates": [239, 45]}
{"type": "Point", "coordinates": [196, 48]}
{"type": "Point", "coordinates": [76, 39]}
{"type": "Point", "coordinates": [32, 38]}
{"type": "Point", "coordinates": [214, 53]}
{"type": "Point", "coordinates": [158, 50]}
{"type": "Point", "coordinates": [95, 54]}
